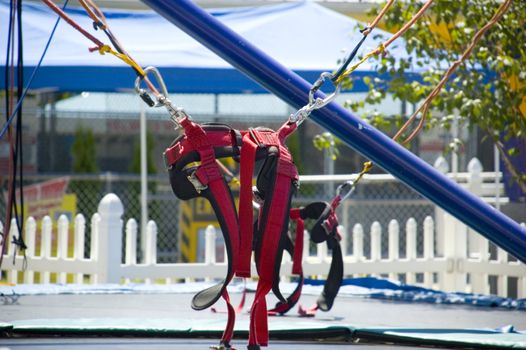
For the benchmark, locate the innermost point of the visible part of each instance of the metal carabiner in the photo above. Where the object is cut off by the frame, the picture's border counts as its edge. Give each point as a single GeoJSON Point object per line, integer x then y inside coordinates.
{"type": "Point", "coordinates": [317, 102]}
{"type": "Point", "coordinates": [300, 115]}
{"type": "Point", "coordinates": [176, 114]}
{"type": "Point", "coordinates": [144, 94]}
{"type": "Point", "coordinates": [345, 190]}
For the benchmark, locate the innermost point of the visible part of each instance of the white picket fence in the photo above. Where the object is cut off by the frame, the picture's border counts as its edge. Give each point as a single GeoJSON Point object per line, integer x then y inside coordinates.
{"type": "Point", "coordinates": [449, 272]}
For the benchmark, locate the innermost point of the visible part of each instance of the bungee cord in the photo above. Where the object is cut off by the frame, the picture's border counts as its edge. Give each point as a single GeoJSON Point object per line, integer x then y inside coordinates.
{"type": "Point", "coordinates": [423, 109]}
{"type": "Point", "coordinates": [15, 161]}
{"type": "Point", "coordinates": [337, 77]}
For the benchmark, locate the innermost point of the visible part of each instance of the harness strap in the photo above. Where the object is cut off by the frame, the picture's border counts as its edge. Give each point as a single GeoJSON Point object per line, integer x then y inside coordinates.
{"type": "Point", "coordinates": [282, 307]}
{"type": "Point", "coordinates": [326, 230]}
{"type": "Point", "coordinates": [246, 212]}
{"type": "Point", "coordinates": [218, 193]}
{"type": "Point", "coordinates": [334, 278]}
{"type": "Point", "coordinates": [295, 215]}
{"type": "Point", "coordinates": [274, 226]}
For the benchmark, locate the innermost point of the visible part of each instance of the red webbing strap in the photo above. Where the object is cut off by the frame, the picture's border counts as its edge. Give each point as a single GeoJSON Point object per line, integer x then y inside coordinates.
{"type": "Point", "coordinates": [277, 214]}
{"type": "Point", "coordinates": [209, 174]}
{"type": "Point", "coordinates": [246, 211]}
{"type": "Point", "coordinates": [231, 320]}
{"type": "Point", "coordinates": [310, 312]}
{"type": "Point", "coordinates": [267, 261]}
{"type": "Point", "coordinates": [221, 194]}
{"type": "Point", "coordinates": [298, 245]}
{"type": "Point", "coordinates": [239, 308]}
{"type": "Point", "coordinates": [282, 308]}
{"type": "Point", "coordinates": [216, 138]}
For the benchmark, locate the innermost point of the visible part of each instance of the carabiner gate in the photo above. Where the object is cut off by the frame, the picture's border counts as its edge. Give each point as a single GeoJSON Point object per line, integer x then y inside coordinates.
{"type": "Point", "coordinates": [146, 97]}
{"type": "Point", "coordinates": [345, 190]}
{"type": "Point", "coordinates": [317, 102]}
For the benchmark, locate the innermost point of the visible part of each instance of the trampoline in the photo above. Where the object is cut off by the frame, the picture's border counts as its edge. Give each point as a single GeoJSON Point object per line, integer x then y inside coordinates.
{"type": "Point", "coordinates": [153, 320]}
{"type": "Point", "coordinates": [165, 320]}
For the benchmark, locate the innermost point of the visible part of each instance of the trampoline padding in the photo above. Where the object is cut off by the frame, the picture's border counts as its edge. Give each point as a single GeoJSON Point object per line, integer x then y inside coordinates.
{"type": "Point", "coordinates": [5, 326]}
{"type": "Point", "coordinates": [104, 326]}
{"type": "Point", "coordinates": [280, 328]}
{"type": "Point", "coordinates": [476, 338]}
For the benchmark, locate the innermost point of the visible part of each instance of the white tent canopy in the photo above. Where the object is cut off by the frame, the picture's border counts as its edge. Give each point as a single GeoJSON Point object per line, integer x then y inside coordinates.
{"type": "Point", "coordinates": [305, 37]}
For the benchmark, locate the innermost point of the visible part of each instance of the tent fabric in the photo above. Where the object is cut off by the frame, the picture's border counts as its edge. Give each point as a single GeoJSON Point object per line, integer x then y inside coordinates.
{"type": "Point", "coordinates": [304, 36]}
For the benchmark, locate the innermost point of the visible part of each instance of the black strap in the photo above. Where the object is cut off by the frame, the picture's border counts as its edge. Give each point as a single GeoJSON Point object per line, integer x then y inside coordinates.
{"type": "Point", "coordinates": [322, 212]}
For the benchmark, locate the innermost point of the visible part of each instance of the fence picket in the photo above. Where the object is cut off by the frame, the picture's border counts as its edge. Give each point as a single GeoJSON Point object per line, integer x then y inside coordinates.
{"type": "Point", "coordinates": [210, 247]}
{"type": "Point", "coordinates": [376, 241]}
{"type": "Point", "coordinates": [394, 244]}
{"type": "Point", "coordinates": [78, 247]}
{"type": "Point", "coordinates": [357, 234]}
{"type": "Point", "coordinates": [130, 257]}
{"type": "Point", "coordinates": [429, 233]}
{"type": "Point", "coordinates": [151, 245]}
{"type": "Point", "coordinates": [410, 247]}
{"type": "Point", "coordinates": [30, 227]}
{"type": "Point", "coordinates": [94, 243]}
{"type": "Point", "coordinates": [45, 250]}
{"type": "Point", "coordinates": [62, 246]}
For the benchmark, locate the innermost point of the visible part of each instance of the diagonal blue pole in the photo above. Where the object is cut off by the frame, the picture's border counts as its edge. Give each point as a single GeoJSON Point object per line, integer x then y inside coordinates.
{"type": "Point", "coordinates": [367, 140]}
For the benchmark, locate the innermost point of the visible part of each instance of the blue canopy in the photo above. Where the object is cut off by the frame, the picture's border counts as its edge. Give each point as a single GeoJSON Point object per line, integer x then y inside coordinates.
{"type": "Point", "coordinates": [305, 37]}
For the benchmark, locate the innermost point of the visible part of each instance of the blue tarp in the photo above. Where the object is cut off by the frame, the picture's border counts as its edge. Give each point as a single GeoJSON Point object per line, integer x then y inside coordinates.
{"type": "Point", "coordinates": [305, 37]}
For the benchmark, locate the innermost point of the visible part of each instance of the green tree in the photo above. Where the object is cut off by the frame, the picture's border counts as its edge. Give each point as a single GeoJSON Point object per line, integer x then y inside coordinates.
{"type": "Point", "coordinates": [84, 156]}
{"type": "Point", "coordinates": [134, 188]}
{"type": "Point", "coordinates": [83, 151]}
{"type": "Point", "coordinates": [135, 166]}
{"type": "Point", "coordinates": [488, 90]}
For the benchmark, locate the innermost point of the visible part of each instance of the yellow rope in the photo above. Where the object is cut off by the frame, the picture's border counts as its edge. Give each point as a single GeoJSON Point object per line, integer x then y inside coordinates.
{"type": "Point", "coordinates": [379, 50]}
{"type": "Point", "coordinates": [126, 59]}
{"type": "Point", "coordinates": [367, 166]}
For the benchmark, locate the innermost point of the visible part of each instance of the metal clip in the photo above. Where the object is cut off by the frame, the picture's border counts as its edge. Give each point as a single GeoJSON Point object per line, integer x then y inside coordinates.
{"type": "Point", "coordinates": [345, 190]}
{"type": "Point", "coordinates": [176, 113]}
{"type": "Point", "coordinates": [197, 184]}
{"type": "Point", "coordinates": [322, 102]}
{"type": "Point", "coordinates": [256, 196]}
{"type": "Point", "coordinates": [143, 93]}
{"type": "Point", "coordinates": [315, 102]}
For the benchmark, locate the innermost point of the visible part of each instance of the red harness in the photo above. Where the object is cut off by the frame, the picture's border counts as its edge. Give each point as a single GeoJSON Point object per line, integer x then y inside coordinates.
{"type": "Point", "coordinates": [276, 183]}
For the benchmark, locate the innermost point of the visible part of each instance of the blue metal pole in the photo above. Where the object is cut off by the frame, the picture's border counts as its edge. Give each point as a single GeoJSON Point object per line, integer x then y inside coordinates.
{"type": "Point", "coordinates": [364, 138]}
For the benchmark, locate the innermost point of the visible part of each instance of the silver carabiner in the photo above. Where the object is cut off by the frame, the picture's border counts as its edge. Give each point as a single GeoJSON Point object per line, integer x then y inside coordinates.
{"type": "Point", "coordinates": [176, 114]}
{"type": "Point", "coordinates": [144, 94]}
{"type": "Point", "coordinates": [300, 115]}
{"type": "Point", "coordinates": [317, 102]}
{"type": "Point", "coordinates": [345, 190]}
